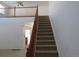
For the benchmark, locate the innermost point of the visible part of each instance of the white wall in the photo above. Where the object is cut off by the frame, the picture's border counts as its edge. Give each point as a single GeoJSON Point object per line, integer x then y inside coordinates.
{"type": "Point", "coordinates": [12, 32]}
{"type": "Point", "coordinates": [43, 10]}
{"type": "Point", "coordinates": [65, 23]}
{"type": "Point", "coordinates": [25, 11]}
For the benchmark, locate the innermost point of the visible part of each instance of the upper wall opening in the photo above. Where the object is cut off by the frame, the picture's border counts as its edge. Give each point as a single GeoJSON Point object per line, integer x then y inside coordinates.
{"type": "Point", "coordinates": [42, 6]}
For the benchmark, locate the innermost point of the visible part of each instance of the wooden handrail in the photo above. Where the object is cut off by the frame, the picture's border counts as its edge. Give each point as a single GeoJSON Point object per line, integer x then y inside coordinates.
{"type": "Point", "coordinates": [31, 50]}
{"type": "Point", "coordinates": [14, 16]}
{"type": "Point", "coordinates": [19, 7]}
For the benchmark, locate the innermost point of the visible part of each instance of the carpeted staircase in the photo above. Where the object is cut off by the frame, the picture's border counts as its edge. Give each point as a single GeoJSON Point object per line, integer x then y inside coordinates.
{"type": "Point", "coordinates": [45, 43]}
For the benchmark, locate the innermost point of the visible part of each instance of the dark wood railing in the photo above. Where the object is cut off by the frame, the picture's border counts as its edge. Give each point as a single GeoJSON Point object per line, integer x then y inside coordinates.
{"type": "Point", "coordinates": [31, 49]}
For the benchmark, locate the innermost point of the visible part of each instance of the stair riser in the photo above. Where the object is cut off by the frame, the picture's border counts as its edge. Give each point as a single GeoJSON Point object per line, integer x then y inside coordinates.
{"type": "Point", "coordinates": [40, 28]}
{"type": "Point", "coordinates": [45, 43]}
{"type": "Point", "coordinates": [46, 48]}
{"type": "Point", "coordinates": [43, 18]}
{"type": "Point", "coordinates": [44, 22]}
{"type": "Point", "coordinates": [44, 27]}
{"type": "Point", "coordinates": [45, 33]}
{"type": "Point", "coordinates": [46, 39]}
{"type": "Point", "coordinates": [45, 36]}
{"type": "Point", "coordinates": [44, 30]}
{"type": "Point", "coordinates": [47, 54]}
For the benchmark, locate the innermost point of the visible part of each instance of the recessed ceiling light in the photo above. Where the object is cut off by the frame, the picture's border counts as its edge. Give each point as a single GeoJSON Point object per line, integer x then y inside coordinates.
{"type": "Point", "coordinates": [20, 3]}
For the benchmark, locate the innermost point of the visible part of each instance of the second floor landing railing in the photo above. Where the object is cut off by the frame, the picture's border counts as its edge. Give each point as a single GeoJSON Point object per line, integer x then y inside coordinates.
{"type": "Point", "coordinates": [18, 11]}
